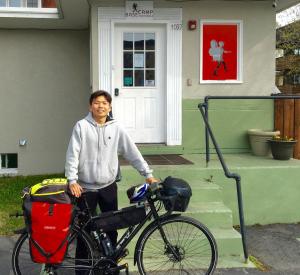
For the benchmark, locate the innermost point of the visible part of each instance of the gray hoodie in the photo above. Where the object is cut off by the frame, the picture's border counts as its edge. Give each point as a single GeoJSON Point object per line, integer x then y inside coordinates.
{"type": "Point", "coordinates": [92, 156]}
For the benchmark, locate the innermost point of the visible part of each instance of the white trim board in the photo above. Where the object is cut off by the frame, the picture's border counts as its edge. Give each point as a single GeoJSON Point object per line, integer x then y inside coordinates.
{"type": "Point", "coordinates": [172, 19]}
{"type": "Point", "coordinates": [29, 12]}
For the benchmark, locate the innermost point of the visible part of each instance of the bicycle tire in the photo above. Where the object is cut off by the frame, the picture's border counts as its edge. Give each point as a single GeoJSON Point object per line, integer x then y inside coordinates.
{"type": "Point", "coordinates": [194, 243]}
{"type": "Point", "coordinates": [23, 265]}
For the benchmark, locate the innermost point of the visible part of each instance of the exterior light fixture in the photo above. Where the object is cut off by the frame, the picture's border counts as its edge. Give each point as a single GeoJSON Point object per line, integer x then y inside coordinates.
{"type": "Point", "coordinates": [22, 142]}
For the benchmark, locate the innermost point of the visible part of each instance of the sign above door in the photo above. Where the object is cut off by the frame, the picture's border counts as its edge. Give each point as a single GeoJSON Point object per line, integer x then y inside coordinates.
{"type": "Point", "coordinates": [139, 9]}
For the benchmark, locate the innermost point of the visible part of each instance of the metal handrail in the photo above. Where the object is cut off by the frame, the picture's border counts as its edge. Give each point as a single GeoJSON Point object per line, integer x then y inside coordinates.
{"type": "Point", "coordinates": [203, 107]}
{"type": "Point", "coordinates": [228, 174]}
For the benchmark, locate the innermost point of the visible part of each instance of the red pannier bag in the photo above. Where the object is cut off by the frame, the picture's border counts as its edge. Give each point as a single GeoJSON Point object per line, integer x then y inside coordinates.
{"type": "Point", "coordinates": [48, 214]}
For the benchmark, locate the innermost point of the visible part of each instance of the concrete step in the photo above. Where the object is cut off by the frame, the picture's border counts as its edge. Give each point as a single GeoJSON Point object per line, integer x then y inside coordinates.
{"type": "Point", "coordinates": [205, 192]}
{"type": "Point", "coordinates": [229, 242]}
{"type": "Point", "coordinates": [201, 191]}
{"type": "Point", "coordinates": [211, 214]}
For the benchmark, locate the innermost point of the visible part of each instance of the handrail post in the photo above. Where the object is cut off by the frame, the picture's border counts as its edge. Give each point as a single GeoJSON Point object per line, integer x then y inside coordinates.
{"type": "Point", "coordinates": [207, 153]}
{"type": "Point", "coordinates": [241, 215]}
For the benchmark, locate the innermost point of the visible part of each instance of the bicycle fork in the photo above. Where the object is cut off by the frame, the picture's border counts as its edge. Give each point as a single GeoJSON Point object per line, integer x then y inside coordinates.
{"type": "Point", "coordinates": [168, 246]}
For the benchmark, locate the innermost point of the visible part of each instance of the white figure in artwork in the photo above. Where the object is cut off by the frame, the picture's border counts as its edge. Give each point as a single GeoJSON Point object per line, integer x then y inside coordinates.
{"type": "Point", "coordinates": [216, 51]}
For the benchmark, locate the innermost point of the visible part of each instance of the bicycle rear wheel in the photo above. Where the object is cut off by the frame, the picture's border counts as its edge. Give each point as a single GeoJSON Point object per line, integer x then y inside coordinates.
{"type": "Point", "coordinates": [23, 265]}
{"type": "Point", "coordinates": [191, 250]}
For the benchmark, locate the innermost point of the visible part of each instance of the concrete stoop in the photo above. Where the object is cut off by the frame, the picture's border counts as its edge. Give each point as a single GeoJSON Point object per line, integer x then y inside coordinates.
{"type": "Point", "coordinates": [206, 206]}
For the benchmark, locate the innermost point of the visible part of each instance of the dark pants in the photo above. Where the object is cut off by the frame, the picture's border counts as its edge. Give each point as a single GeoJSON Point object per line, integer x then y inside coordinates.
{"type": "Point", "coordinates": [107, 200]}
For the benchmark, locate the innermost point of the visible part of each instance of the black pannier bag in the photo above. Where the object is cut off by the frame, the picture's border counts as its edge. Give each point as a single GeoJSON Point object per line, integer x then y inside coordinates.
{"type": "Point", "coordinates": [48, 215]}
{"type": "Point", "coordinates": [179, 192]}
{"type": "Point", "coordinates": [123, 218]}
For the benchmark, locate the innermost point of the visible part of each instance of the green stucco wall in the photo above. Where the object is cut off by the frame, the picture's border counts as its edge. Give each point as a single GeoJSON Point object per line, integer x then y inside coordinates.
{"type": "Point", "coordinates": [229, 119]}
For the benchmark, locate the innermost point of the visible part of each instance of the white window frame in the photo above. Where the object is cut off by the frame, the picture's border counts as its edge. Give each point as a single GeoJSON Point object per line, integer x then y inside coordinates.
{"type": "Point", "coordinates": [239, 24]}
{"type": "Point", "coordinates": [7, 171]}
{"type": "Point", "coordinates": [24, 12]}
{"type": "Point", "coordinates": [6, 161]}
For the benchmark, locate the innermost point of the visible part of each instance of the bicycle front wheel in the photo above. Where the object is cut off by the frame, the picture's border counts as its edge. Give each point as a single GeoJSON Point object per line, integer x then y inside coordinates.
{"type": "Point", "coordinates": [23, 265]}
{"type": "Point", "coordinates": [189, 248]}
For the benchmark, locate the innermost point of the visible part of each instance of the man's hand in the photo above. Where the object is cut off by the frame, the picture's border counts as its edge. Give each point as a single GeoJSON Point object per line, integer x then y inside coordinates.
{"type": "Point", "coordinates": [75, 189]}
{"type": "Point", "coordinates": [151, 180]}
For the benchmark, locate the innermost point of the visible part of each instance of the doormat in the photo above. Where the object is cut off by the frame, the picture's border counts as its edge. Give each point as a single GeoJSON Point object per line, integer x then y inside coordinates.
{"type": "Point", "coordinates": [160, 160]}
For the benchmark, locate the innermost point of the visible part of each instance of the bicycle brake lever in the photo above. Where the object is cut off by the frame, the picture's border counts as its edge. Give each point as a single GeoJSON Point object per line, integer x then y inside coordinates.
{"type": "Point", "coordinates": [155, 186]}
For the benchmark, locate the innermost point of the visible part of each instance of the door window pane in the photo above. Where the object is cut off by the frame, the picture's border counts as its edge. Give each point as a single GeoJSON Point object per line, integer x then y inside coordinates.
{"type": "Point", "coordinates": [150, 60]}
{"type": "Point", "coordinates": [128, 41]}
{"type": "Point", "coordinates": [127, 60]}
{"type": "Point", "coordinates": [139, 78]}
{"type": "Point", "coordinates": [150, 78]}
{"type": "Point", "coordinates": [139, 60]}
{"type": "Point", "coordinates": [139, 41]}
{"type": "Point", "coordinates": [2, 3]}
{"type": "Point", "coordinates": [150, 41]}
{"type": "Point", "coordinates": [128, 78]}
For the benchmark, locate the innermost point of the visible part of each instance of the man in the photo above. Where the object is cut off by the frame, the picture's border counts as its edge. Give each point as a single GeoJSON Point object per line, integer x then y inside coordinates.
{"type": "Point", "coordinates": [92, 157]}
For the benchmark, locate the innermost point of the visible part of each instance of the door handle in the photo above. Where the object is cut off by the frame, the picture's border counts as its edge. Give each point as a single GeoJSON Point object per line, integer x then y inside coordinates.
{"type": "Point", "coordinates": [117, 92]}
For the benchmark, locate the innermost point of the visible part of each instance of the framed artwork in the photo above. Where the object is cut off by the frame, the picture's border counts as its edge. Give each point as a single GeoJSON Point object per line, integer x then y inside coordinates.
{"type": "Point", "coordinates": [221, 51]}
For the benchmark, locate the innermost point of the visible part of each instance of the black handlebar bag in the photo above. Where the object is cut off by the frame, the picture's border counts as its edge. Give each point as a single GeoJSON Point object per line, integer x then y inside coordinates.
{"type": "Point", "coordinates": [48, 214]}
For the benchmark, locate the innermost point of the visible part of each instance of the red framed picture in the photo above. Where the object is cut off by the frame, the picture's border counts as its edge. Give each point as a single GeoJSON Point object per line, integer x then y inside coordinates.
{"type": "Point", "coordinates": [221, 51]}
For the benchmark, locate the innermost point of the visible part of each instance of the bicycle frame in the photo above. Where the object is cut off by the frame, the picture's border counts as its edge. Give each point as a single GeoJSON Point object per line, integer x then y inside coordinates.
{"type": "Point", "coordinates": [132, 231]}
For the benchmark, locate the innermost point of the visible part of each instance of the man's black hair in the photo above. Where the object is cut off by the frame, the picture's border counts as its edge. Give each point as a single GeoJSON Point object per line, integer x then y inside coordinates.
{"type": "Point", "coordinates": [100, 93]}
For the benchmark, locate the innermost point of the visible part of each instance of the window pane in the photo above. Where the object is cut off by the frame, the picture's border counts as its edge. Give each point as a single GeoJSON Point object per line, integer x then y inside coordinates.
{"type": "Point", "coordinates": [128, 78]}
{"type": "Point", "coordinates": [150, 41]}
{"type": "Point", "coordinates": [139, 41]}
{"type": "Point", "coordinates": [32, 3]}
{"type": "Point", "coordinates": [48, 4]}
{"type": "Point", "coordinates": [150, 78]}
{"type": "Point", "coordinates": [127, 61]}
{"type": "Point", "coordinates": [2, 3]}
{"type": "Point", "coordinates": [128, 41]}
{"type": "Point", "coordinates": [139, 78]}
{"type": "Point", "coordinates": [12, 161]}
{"type": "Point", "coordinates": [15, 3]}
{"type": "Point", "coordinates": [139, 60]}
{"type": "Point", "coordinates": [150, 60]}
{"type": "Point", "coordinates": [3, 164]}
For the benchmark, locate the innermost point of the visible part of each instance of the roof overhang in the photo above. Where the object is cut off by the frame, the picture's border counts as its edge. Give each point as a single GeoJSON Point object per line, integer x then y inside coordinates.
{"type": "Point", "coordinates": [74, 14]}
{"type": "Point", "coordinates": [285, 4]}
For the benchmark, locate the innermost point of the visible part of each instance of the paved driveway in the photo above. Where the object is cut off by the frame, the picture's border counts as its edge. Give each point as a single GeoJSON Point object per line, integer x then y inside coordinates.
{"type": "Point", "coordinates": [277, 246]}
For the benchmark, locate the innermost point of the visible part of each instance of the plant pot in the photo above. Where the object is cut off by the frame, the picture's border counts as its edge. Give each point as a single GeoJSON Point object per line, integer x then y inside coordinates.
{"type": "Point", "coordinates": [259, 141]}
{"type": "Point", "coordinates": [281, 149]}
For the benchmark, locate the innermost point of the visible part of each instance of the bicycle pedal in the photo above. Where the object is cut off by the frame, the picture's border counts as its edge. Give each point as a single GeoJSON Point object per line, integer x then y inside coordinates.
{"type": "Point", "coordinates": [116, 270]}
{"type": "Point", "coordinates": [123, 255]}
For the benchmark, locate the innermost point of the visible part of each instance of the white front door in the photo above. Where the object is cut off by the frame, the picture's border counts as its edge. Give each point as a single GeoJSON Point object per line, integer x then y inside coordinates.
{"type": "Point", "coordinates": [139, 81]}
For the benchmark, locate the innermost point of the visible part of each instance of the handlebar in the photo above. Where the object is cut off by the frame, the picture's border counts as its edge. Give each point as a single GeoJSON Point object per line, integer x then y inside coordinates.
{"type": "Point", "coordinates": [153, 187]}
{"type": "Point", "coordinates": [153, 190]}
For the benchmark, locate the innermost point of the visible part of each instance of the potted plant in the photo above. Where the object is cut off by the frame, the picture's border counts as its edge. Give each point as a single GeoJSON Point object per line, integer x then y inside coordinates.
{"type": "Point", "coordinates": [282, 147]}
{"type": "Point", "coordinates": [259, 141]}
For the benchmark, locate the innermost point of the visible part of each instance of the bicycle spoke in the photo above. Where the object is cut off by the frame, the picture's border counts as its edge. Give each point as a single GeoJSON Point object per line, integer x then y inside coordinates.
{"type": "Point", "coordinates": [190, 249]}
